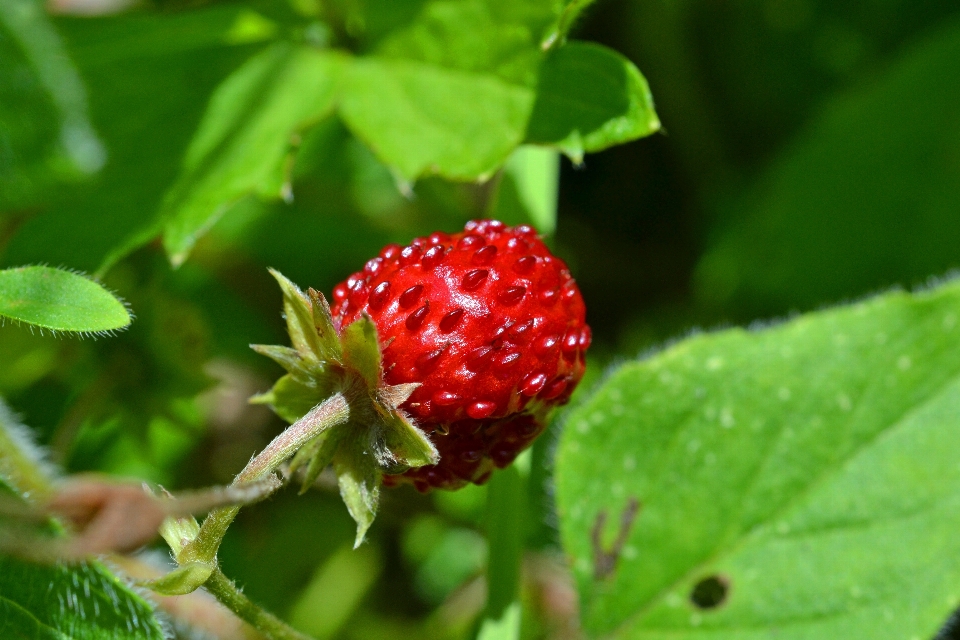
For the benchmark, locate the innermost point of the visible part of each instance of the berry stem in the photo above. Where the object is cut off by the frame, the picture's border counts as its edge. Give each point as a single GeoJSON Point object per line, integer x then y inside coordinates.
{"type": "Point", "coordinates": [224, 590]}
{"type": "Point", "coordinates": [333, 411]}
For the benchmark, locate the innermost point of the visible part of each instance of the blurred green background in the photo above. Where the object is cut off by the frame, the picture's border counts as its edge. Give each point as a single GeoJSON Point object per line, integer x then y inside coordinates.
{"type": "Point", "coordinates": [810, 155]}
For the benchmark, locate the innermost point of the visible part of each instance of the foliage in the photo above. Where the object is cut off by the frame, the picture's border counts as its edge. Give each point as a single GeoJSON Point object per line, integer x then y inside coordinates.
{"type": "Point", "coordinates": [75, 601]}
{"type": "Point", "coordinates": [794, 480]}
{"type": "Point", "coordinates": [799, 467]}
{"type": "Point", "coordinates": [83, 602]}
{"type": "Point", "coordinates": [59, 300]}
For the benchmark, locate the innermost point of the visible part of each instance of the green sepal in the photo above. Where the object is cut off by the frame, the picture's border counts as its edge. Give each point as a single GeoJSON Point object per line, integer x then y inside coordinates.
{"type": "Point", "coordinates": [182, 580]}
{"type": "Point", "coordinates": [378, 438]}
{"type": "Point", "coordinates": [307, 452]}
{"type": "Point", "coordinates": [322, 457]}
{"type": "Point", "coordinates": [179, 531]}
{"type": "Point", "coordinates": [309, 371]}
{"type": "Point", "coordinates": [289, 359]}
{"type": "Point", "coordinates": [299, 316]}
{"type": "Point", "coordinates": [359, 477]}
{"type": "Point", "coordinates": [395, 395]}
{"type": "Point", "coordinates": [399, 444]}
{"type": "Point", "coordinates": [323, 323]}
{"type": "Point", "coordinates": [317, 455]}
{"type": "Point", "coordinates": [361, 352]}
{"type": "Point", "coordinates": [291, 399]}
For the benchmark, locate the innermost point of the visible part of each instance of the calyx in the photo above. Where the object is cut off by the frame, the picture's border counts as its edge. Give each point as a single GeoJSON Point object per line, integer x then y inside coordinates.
{"type": "Point", "coordinates": [376, 437]}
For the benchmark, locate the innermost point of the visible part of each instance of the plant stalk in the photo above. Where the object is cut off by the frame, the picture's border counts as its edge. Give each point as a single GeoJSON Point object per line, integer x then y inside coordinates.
{"type": "Point", "coordinates": [331, 412]}
{"type": "Point", "coordinates": [506, 506]}
{"type": "Point", "coordinates": [16, 465]}
{"type": "Point", "coordinates": [224, 590]}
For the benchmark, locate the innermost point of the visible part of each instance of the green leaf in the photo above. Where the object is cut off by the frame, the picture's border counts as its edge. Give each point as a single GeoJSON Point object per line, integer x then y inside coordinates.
{"type": "Point", "coordinates": [45, 129]}
{"type": "Point", "coordinates": [415, 101]}
{"type": "Point", "coordinates": [589, 98]}
{"type": "Point", "coordinates": [799, 481]}
{"type": "Point", "coordinates": [245, 136]}
{"type": "Point", "coordinates": [568, 17]}
{"type": "Point", "coordinates": [59, 300]}
{"type": "Point", "coordinates": [16, 617]}
{"type": "Point", "coordinates": [487, 37]}
{"type": "Point", "coordinates": [80, 602]}
{"type": "Point", "coordinates": [170, 62]}
{"type": "Point", "coordinates": [423, 119]}
{"type": "Point", "coordinates": [864, 197]}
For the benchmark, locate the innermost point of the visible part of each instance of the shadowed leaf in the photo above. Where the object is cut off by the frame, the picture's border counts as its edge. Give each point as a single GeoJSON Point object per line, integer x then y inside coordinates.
{"type": "Point", "coordinates": [589, 98]}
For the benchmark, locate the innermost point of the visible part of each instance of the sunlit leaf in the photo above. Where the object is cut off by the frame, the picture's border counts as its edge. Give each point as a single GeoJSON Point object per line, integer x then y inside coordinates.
{"type": "Point", "coordinates": [414, 101]}
{"type": "Point", "coordinates": [793, 482]}
{"type": "Point", "coordinates": [421, 119]}
{"type": "Point", "coordinates": [244, 137]}
{"type": "Point", "coordinates": [59, 300]}
{"type": "Point", "coordinates": [572, 9]}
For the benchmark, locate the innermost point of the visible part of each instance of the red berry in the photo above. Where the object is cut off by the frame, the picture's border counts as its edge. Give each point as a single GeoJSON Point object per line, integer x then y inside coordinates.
{"type": "Point", "coordinates": [474, 317]}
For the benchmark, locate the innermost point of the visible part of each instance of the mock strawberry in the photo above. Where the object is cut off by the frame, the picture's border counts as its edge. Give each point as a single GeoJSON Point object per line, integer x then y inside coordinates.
{"type": "Point", "coordinates": [437, 363]}
{"type": "Point", "coordinates": [489, 324]}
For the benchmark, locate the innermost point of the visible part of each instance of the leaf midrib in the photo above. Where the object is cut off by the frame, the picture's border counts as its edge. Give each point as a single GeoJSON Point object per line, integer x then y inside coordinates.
{"type": "Point", "coordinates": [27, 613]}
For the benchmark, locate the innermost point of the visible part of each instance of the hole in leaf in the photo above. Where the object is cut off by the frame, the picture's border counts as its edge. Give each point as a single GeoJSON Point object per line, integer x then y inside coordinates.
{"type": "Point", "coordinates": [710, 592]}
{"type": "Point", "coordinates": [951, 628]}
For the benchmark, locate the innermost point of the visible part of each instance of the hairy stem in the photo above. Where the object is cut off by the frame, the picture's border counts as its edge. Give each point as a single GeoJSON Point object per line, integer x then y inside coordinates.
{"type": "Point", "coordinates": [23, 471]}
{"type": "Point", "coordinates": [333, 411]}
{"type": "Point", "coordinates": [224, 590]}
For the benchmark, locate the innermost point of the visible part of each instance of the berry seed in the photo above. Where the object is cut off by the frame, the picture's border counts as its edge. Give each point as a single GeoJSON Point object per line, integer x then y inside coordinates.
{"type": "Point", "coordinates": [481, 410]}
{"type": "Point", "coordinates": [450, 321]}
{"type": "Point", "coordinates": [474, 279]}
{"type": "Point", "coordinates": [411, 296]}
{"type": "Point", "coordinates": [415, 319]}
{"type": "Point", "coordinates": [512, 295]}
{"type": "Point", "coordinates": [379, 296]}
